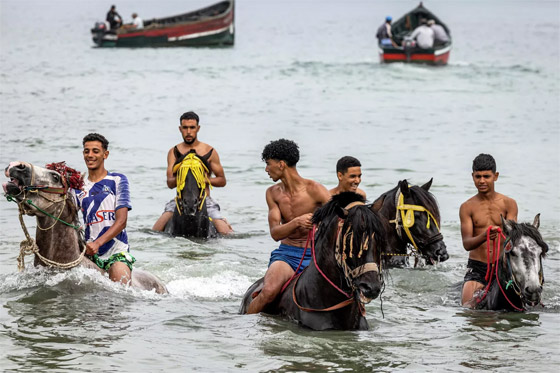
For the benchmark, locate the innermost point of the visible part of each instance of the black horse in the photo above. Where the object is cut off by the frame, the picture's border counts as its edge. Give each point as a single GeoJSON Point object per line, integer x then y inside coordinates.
{"type": "Point", "coordinates": [190, 218]}
{"type": "Point", "coordinates": [345, 272]}
{"type": "Point", "coordinates": [516, 279]}
{"type": "Point", "coordinates": [412, 219]}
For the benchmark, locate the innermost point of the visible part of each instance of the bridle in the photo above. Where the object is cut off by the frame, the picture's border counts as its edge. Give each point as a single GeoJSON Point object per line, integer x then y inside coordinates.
{"type": "Point", "coordinates": [200, 172]}
{"type": "Point", "coordinates": [404, 220]}
{"type": "Point", "coordinates": [493, 267]}
{"type": "Point", "coordinates": [340, 256]}
{"type": "Point", "coordinates": [29, 246]}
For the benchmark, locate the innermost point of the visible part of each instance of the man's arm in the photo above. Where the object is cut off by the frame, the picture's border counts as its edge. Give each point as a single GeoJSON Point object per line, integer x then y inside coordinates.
{"type": "Point", "coordinates": [121, 217]}
{"type": "Point", "coordinates": [171, 177]}
{"type": "Point", "coordinates": [219, 178]}
{"type": "Point", "coordinates": [279, 231]}
{"type": "Point", "coordinates": [511, 212]}
{"type": "Point", "coordinates": [471, 242]}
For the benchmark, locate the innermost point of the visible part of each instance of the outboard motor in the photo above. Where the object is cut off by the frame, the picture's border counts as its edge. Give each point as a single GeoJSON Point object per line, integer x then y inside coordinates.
{"type": "Point", "coordinates": [101, 32]}
{"type": "Point", "coordinates": [409, 45]}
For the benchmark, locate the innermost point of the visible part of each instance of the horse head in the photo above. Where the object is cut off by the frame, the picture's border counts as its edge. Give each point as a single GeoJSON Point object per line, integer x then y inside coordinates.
{"type": "Point", "coordinates": [356, 234]}
{"type": "Point", "coordinates": [522, 259]}
{"type": "Point", "coordinates": [38, 189]}
{"type": "Point", "coordinates": [418, 221]}
{"type": "Point", "coordinates": [192, 182]}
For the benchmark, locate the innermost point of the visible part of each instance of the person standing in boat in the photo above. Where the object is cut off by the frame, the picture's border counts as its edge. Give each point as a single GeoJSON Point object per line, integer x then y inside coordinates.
{"type": "Point", "coordinates": [349, 173]}
{"type": "Point", "coordinates": [114, 18]}
{"type": "Point", "coordinates": [189, 127]}
{"type": "Point", "coordinates": [423, 35]}
{"type": "Point", "coordinates": [384, 35]}
{"type": "Point", "coordinates": [479, 214]}
{"type": "Point", "coordinates": [440, 36]}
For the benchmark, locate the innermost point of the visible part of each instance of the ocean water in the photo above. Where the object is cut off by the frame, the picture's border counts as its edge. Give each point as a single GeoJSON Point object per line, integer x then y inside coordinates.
{"type": "Point", "coordinates": [304, 70]}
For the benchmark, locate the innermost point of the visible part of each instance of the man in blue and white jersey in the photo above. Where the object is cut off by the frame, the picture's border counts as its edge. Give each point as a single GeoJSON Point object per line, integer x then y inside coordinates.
{"type": "Point", "coordinates": [105, 201]}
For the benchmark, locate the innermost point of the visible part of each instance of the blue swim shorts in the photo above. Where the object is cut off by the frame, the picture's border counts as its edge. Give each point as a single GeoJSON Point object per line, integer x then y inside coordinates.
{"type": "Point", "coordinates": [291, 255]}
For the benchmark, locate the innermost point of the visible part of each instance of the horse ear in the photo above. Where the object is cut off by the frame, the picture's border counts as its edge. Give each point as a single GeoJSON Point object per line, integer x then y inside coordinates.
{"type": "Point", "coordinates": [341, 212]}
{"type": "Point", "coordinates": [427, 186]}
{"type": "Point", "coordinates": [506, 225]}
{"type": "Point", "coordinates": [537, 221]}
{"type": "Point", "coordinates": [404, 187]}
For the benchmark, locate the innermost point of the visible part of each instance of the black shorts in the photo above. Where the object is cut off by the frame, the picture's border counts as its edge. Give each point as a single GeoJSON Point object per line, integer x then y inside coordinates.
{"type": "Point", "coordinates": [476, 271]}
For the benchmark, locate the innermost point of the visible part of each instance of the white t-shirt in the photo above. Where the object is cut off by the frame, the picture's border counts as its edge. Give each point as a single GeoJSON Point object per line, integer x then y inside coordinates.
{"type": "Point", "coordinates": [424, 36]}
{"type": "Point", "coordinates": [138, 22]}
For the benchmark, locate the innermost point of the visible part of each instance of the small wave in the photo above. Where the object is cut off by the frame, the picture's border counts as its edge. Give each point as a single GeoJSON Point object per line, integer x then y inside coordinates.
{"type": "Point", "coordinates": [220, 286]}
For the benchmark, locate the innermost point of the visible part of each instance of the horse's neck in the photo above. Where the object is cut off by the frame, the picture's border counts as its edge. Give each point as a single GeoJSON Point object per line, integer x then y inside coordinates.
{"type": "Point", "coordinates": [500, 286]}
{"type": "Point", "coordinates": [57, 241]}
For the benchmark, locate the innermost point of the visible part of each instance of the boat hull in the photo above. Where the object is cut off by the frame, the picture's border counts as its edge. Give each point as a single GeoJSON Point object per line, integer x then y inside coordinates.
{"type": "Point", "coordinates": [430, 57]}
{"type": "Point", "coordinates": [218, 30]}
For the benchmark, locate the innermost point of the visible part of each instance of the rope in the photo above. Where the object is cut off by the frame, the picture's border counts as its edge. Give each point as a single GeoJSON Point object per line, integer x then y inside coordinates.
{"type": "Point", "coordinates": [199, 170]}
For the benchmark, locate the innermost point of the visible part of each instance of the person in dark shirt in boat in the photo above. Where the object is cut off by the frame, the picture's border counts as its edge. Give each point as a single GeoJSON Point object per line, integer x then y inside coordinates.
{"type": "Point", "coordinates": [440, 36]}
{"type": "Point", "coordinates": [189, 127]}
{"type": "Point", "coordinates": [114, 18]}
{"type": "Point", "coordinates": [384, 35]}
{"type": "Point", "coordinates": [291, 204]}
{"type": "Point", "coordinates": [349, 174]}
{"type": "Point", "coordinates": [479, 214]}
{"type": "Point", "coordinates": [423, 35]}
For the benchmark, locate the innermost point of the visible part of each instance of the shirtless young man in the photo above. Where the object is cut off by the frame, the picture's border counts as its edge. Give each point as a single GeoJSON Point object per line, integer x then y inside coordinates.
{"type": "Point", "coordinates": [189, 127]}
{"type": "Point", "coordinates": [477, 214]}
{"type": "Point", "coordinates": [291, 204]}
{"type": "Point", "coordinates": [349, 173]}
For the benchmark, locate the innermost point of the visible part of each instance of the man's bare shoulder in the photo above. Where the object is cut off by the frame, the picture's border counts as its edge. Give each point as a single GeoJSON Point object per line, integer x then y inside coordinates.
{"type": "Point", "coordinates": [470, 204]}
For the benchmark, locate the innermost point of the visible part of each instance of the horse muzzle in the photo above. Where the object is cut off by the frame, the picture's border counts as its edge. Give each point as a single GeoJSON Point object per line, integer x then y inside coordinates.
{"type": "Point", "coordinates": [20, 176]}
{"type": "Point", "coordinates": [435, 253]}
{"type": "Point", "coordinates": [531, 297]}
{"type": "Point", "coordinates": [368, 287]}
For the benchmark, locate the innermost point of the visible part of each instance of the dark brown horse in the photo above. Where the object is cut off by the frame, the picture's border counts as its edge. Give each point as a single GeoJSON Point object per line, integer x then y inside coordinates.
{"type": "Point", "coordinates": [46, 194]}
{"type": "Point", "coordinates": [345, 272]}
{"type": "Point", "coordinates": [412, 220]}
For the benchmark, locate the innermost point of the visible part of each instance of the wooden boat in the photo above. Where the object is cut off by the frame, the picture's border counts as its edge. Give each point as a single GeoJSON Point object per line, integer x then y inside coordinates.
{"type": "Point", "coordinates": [404, 50]}
{"type": "Point", "coordinates": [210, 26]}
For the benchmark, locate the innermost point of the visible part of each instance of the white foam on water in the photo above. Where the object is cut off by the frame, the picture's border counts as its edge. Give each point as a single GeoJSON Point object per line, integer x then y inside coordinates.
{"type": "Point", "coordinates": [218, 286]}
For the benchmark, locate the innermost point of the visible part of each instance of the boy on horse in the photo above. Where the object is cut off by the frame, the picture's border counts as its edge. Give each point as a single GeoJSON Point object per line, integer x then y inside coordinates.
{"type": "Point", "coordinates": [105, 201]}
{"type": "Point", "coordinates": [479, 214]}
{"type": "Point", "coordinates": [349, 173]}
{"type": "Point", "coordinates": [189, 127]}
{"type": "Point", "coordinates": [291, 204]}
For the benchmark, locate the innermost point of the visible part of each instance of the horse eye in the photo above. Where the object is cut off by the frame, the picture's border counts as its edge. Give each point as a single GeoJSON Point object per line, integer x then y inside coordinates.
{"type": "Point", "coordinates": [56, 177]}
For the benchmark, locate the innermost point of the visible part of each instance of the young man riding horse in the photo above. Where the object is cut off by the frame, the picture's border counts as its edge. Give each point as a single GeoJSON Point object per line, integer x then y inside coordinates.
{"type": "Point", "coordinates": [480, 214]}
{"type": "Point", "coordinates": [189, 127]}
{"type": "Point", "coordinates": [349, 174]}
{"type": "Point", "coordinates": [105, 201]}
{"type": "Point", "coordinates": [291, 204]}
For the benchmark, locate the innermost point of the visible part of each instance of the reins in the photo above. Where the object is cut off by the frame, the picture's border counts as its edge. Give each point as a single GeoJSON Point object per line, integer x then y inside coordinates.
{"type": "Point", "coordinates": [340, 256]}
{"type": "Point", "coordinates": [29, 246]}
{"type": "Point", "coordinates": [494, 263]}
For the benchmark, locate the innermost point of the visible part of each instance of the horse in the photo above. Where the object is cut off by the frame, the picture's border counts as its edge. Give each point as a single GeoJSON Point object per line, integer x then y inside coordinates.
{"type": "Point", "coordinates": [515, 280]}
{"type": "Point", "coordinates": [190, 218]}
{"type": "Point", "coordinates": [47, 195]}
{"type": "Point", "coordinates": [344, 275]}
{"type": "Point", "coordinates": [412, 219]}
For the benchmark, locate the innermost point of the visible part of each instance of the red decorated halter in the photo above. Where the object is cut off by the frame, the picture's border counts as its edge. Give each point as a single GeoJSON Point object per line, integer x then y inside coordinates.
{"type": "Point", "coordinates": [71, 178]}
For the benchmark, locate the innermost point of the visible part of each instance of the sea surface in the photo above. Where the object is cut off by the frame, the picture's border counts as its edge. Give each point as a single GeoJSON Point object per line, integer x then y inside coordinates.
{"type": "Point", "coordinates": [304, 70]}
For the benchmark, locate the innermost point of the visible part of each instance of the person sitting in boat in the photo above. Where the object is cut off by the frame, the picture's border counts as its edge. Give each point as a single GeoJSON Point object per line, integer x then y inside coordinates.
{"type": "Point", "coordinates": [137, 23]}
{"type": "Point", "coordinates": [423, 35]}
{"type": "Point", "coordinates": [349, 173]}
{"type": "Point", "coordinates": [440, 36]}
{"type": "Point", "coordinates": [114, 18]}
{"type": "Point", "coordinates": [189, 127]}
{"type": "Point", "coordinates": [384, 35]}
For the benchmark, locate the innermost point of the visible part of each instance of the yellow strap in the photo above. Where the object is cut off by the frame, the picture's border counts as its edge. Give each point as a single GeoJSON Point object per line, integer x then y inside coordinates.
{"type": "Point", "coordinates": [194, 164]}
{"type": "Point", "coordinates": [407, 217]}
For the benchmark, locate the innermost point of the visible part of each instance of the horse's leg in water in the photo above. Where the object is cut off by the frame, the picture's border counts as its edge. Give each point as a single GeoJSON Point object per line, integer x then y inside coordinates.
{"type": "Point", "coordinates": [119, 272]}
{"type": "Point", "coordinates": [278, 273]}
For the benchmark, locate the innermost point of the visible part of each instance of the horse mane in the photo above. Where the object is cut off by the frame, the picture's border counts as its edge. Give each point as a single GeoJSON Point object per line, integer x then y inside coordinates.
{"type": "Point", "coordinates": [359, 219]}
{"type": "Point", "coordinates": [524, 229]}
{"type": "Point", "coordinates": [73, 178]}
